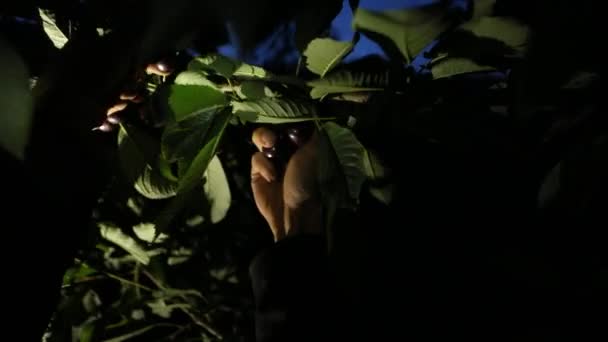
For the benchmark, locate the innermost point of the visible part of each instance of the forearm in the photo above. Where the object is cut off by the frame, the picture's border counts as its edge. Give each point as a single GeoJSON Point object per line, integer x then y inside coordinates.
{"type": "Point", "coordinates": [293, 292]}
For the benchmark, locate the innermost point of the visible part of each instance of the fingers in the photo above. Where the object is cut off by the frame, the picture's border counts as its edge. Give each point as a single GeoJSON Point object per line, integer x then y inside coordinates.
{"type": "Point", "coordinates": [263, 138]}
{"type": "Point", "coordinates": [262, 168]}
{"type": "Point", "coordinates": [160, 68]}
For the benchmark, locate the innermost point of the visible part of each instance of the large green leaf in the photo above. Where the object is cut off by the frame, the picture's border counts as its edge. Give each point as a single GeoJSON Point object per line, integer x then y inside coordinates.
{"type": "Point", "coordinates": [49, 24]}
{"type": "Point", "coordinates": [456, 66]}
{"type": "Point", "coordinates": [137, 158]}
{"type": "Point", "coordinates": [274, 110]}
{"type": "Point", "coordinates": [410, 30]}
{"type": "Point", "coordinates": [350, 155]}
{"type": "Point", "coordinates": [115, 235]}
{"type": "Point", "coordinates": [254, 90]}
{"type": "Point", "coordinates": [508, 31]}
{"type": "Point", "coordinates": [217, 190]}
{"type": "Point", "coordinates": [324, 54]}
{"type": "Point", "coordinates": [194, 172]}
{"type": "Point", "coordinates": [16, 102]}
{"type": "Point", "coordinates": [347, 82]}
{"type": "Point", "coordinates": [192, 77]}
{"type": "Point", "coordinates": [228, 67]}
{"type": "Point", "coordinates": [182, 140]}
{"type": "Point", "coordinates": [188, 100]}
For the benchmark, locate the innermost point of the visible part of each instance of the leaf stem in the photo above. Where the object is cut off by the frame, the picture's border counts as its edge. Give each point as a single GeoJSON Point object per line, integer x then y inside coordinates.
{"type": "Point", "coordinates": [126, 281]}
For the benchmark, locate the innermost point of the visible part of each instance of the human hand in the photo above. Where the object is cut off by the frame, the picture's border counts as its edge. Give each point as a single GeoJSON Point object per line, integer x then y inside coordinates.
{"type": "Point", "coordinates": [290, 201]}
{"type": "Point", "coordinates": [133, 95]}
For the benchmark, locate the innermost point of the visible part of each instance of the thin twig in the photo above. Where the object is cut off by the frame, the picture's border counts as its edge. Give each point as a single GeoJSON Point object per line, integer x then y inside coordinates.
{"type": "Point", "coordinates": [202, 324]}
{"type": "Point", "coordinates": [126, 281]}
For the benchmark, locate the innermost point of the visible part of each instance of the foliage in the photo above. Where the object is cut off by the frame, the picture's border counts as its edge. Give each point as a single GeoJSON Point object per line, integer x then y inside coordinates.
{"type": "Point", "coordinates": [179, 184]}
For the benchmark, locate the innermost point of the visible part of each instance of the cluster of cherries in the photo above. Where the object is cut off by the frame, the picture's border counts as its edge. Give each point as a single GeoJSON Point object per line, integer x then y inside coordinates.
{"type": "Point", "coordinates": [116, 114]}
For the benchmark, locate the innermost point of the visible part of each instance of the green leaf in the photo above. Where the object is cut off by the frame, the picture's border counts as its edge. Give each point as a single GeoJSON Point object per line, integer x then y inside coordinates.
{"type": "Point", "coordinates": [49, 24]}
{"type": "Point", "coordinates": [508, 31]}
{"type": "Point", "coordinates": [182, 140]}
{"type": "Point", "coordinates": [217, 190]}
{"type": "Point", "coordinates": [115, 235]}
{"type": "Point", "coordinates": [136, 157]}
{"type": "Point", "coordinates": [188, 100]}
{"type": "Point", "coordinates": [16, 102]}
{"type": "Point", "coordinates": [254, 90]}
{"type": "Point", "coordinates": [87, 332]}
{"type": "Point", "coordinates": [456, 66]}
{"type": "Point", "coordinates": [164, 310]}
{"type": "Point", "coordinates": [324, 54]}
{"type": "Point", "coordinates": [373, 167]}
{"type": "Point", "coordinates": [147, 232]}
{"type": "Point", "coordinates": [228, 67]}
{"type": "Point", "coordinates": [410, 30]}
{"type": "Point", "coordinates": [384, 193]}
{"type": "Point", "coordinates": [194, 78]}
{"type": "Point", "coordinates": [91, 301]}
{"type": "Point", "coordinates": [274, 110]}
{"type": "Point", "coordinates": [77, 272]}
{"type": "Point", "coordinates": [342, 165]}
{"type": "Point", "coordinates": [153, 185]}
{"type": "Point", "coordinates": [347, 82]}
{"type": "Point", "coordinates": [192, 177]}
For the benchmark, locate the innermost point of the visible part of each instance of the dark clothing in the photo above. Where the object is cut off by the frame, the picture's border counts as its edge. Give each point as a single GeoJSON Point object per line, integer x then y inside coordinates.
{"type": "Point", "coordinates": [293, 292]}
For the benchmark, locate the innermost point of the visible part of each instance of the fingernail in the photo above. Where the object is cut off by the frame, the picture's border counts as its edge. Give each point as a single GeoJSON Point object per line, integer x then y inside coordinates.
{"type": "Point", "coordinates": [113, 119]}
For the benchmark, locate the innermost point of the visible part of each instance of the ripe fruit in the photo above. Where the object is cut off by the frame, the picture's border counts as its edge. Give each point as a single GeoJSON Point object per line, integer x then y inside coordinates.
{"type": "Point", "coordinates": [270, 152]}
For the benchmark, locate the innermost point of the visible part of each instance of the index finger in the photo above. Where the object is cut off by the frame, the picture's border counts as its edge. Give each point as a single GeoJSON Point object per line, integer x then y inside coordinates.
{"type": "Point", "coordinates": [263, 137]}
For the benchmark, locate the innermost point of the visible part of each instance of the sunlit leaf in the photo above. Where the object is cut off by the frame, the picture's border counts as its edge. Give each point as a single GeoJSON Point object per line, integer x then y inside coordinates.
{"type": "Point", "coordinates": [49, 24]}
{"type": "Point", "coordinates": [274, 110]}
{"type": "Point", "coordinates": [324, 54]}
{"type": "Point", "coordinates": [410, 30]}
{"type": "Point", "coordinates": [347, 82]}
{"type": "Point", "coordinates": [217, 190]}
{"type": "Point", "coordinates": [188, 100]}
{"type": "Point", "coordinates": [115, 235]}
